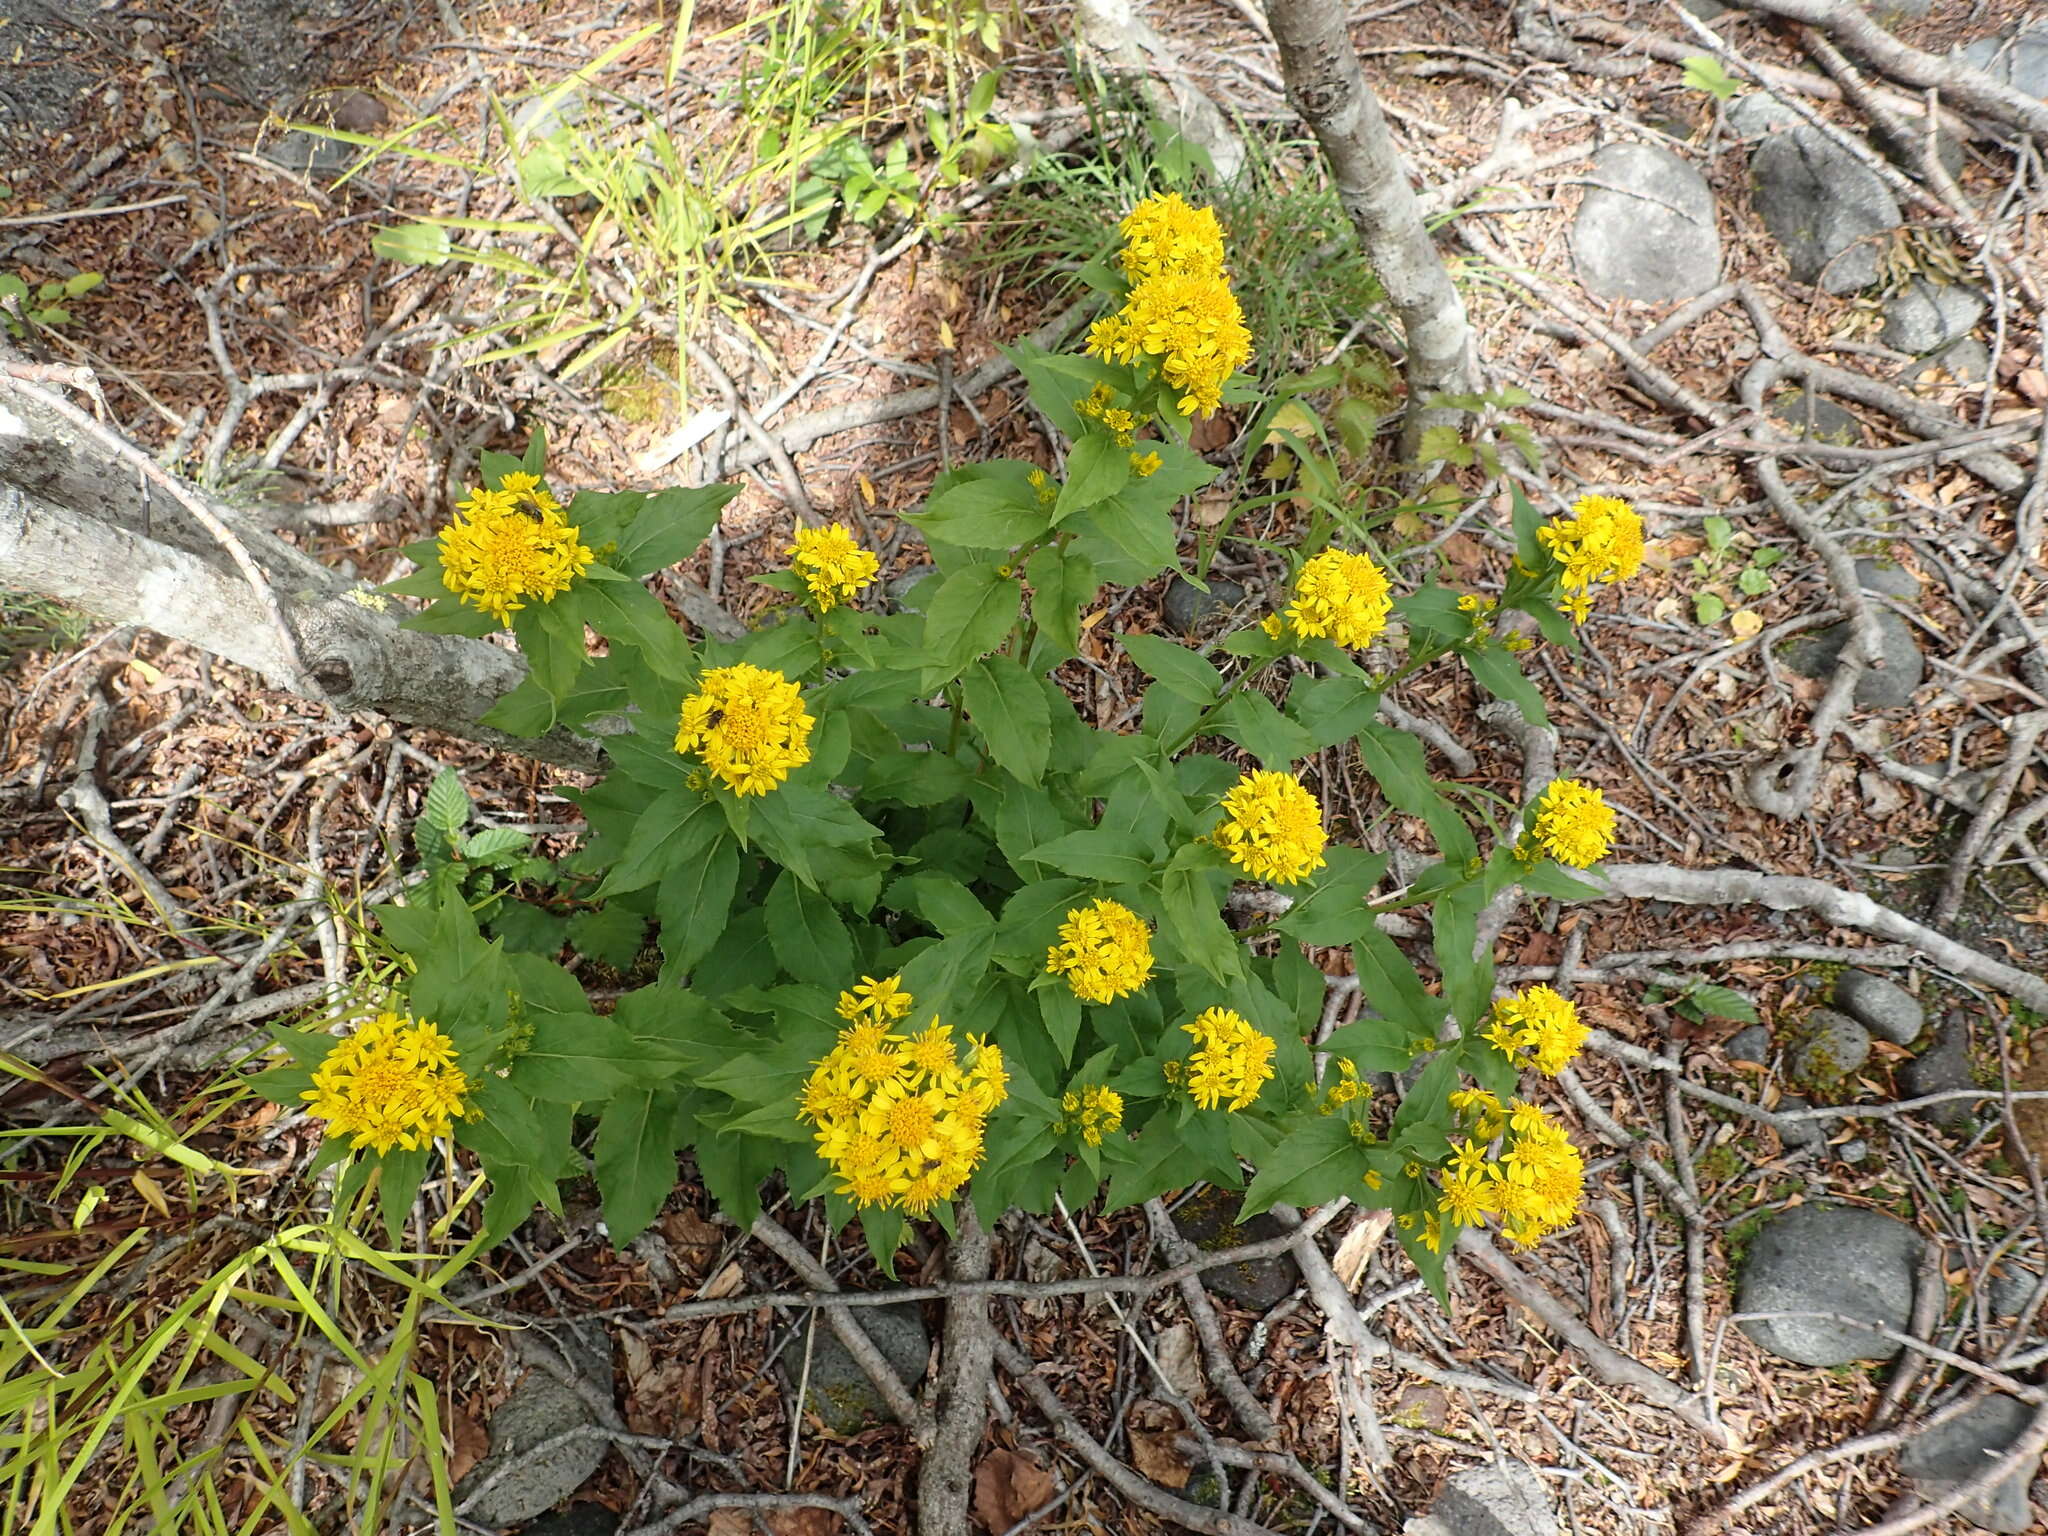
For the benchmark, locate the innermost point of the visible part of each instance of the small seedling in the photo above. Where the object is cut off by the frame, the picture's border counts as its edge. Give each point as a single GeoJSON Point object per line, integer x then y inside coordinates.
{"type": "Point", "coordinates": [1699, 1000]}
{"type": "Point", "coordinates": [1716, 567]}
{"type": "Point", "coordinates": [44, 305]}
{"type": "Point", "coordinates": [1703, 72]}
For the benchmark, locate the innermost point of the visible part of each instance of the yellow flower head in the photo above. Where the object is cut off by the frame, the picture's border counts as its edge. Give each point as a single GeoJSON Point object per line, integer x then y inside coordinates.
{"type": "Point", "coordinates": [1092, 1113]}
{"type": "Point", "coordinates": [1145, 465]}
{"type": "Point", "coordinates": [1105, 952]}
{"type": "Point", "coordinates": [393, 1083]}
{"type": "Point", "coordinates": [495, 555]}
{"type": "Point", "coordinates": [1601, 541]}
{"type": "Point", "coordinates": [899, 1119]}
{"type": "Point", "coordinates": [749, 725]}
{"type": "Point", "coordinates": [1272, 828]}
{"type": "Point", "coordinates": [1347, 1089]}
{"type": "Point", "coordinates": [1343, 596]}
{"type": "Point", "coordinates": [1574, 823]}
{"type": "Point", "coordinates": [1539, 1026]}
{"type": "Point", "coordinates": [1164, 234]}
{"type": "Point", "coordinates": [1231, 1060]}
{"type": "Point", "coordinates": [1195, 327]}
{"type": "Point", "coordinates": [833, 566]}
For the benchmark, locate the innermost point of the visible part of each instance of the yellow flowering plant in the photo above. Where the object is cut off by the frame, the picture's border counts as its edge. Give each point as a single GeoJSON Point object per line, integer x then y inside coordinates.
{"type": "Point", "coordinates": [880, 915]}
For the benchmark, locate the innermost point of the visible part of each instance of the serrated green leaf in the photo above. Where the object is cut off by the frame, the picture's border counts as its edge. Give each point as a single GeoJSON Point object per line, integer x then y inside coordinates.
{"type": "Point", "coordinates": [971, 614]}
{"type": "Point", "coordinates": [1250, 720]}
{"type": "Point", "coordinates": [1098, 853]}
{"type": "Point", "coordinates": [609, 933]}
{"type": "Point", "coordinates": [669, 527]}
{"type": "Point", "coordinates": [635, 1159]}
{"type": "Point", "coordinates": [988, 513]}
{"type": "Point", "coordinates": [1061, 582]}
{"type": "Point", "coordinates": [807, 933]}
{"type": "Point", "coordinates": [1177, 668]}
{"type": "Point", "coordinates": [1315, 1161]}
{"type": "Point", "coordinates": [1096, 470]}
{"type": "Point", "coordinates": [693, 905]}
{"type": "Point", "coordinates": [677, 827]}
{"type": "Point", "coordinates": [1013, 714]}
{"type": "Point", "coordinates": [447, 806]}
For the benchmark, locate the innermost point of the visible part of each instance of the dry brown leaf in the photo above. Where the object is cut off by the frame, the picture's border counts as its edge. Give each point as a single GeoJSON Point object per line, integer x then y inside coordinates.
{"type": "Point", "coordinates": [1356, 1250]}
{"type": "Point", "coordinates": [1008, 1485]}
{"type": "Point", "coordinates": [727, 1282]}
{"type": "Point", "coordinates": [468, 1444]}
{"type": "Point", "coordinates": [151, 1191]}
{"type": "Point", "coordinates": [805, 1520]}
{"type": "Point", "coordinates": [1180, 1360]}
{"type": "Point", "coordinates": [729, 1522]}
{"type": "Point", "coordinates": [1153, 1428]}
{"type": "Point", "coordinates": [2033, 383]}
{"type": "Point", "coordinates": [686, 1229]}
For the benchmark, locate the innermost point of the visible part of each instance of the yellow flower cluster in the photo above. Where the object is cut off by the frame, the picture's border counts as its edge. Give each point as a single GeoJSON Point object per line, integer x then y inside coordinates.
{"type": "Point", "coordinates": [1105, 952]}
{"type": "Point", "coordinates": [1092, 1113]}
{"type": "Point", "coordinates": [899, 1118]}
{"type": "Point", "coordinates": [1100, 405]}
{"type": "Point", "coordinates": [833, 566]}
{"type": "Point", "coordinates": [1231, 1060]}
{"type": "Point", "coordinates": [510, 544]}
{"type": "Point", "coordinates": [1574, 823]}
{"type": "Point", "coordinates": [749, 725]}
{"type": "Point", "coordinates": [1539, 1027]}
{"type": "Point", "coordinates": [393, 1083]}
{"type": "Point", "coordinates": [1533, 1187]}
{"type": "Point", "coordinates": [1180, 309]}
{"type": "Point", "coordinates": [1272, 828]}
{"type": "Point", "coordinates": [1047, 493]}
{"type": "Point", "coordinates": [1601, 541]}
{"type": "Point", "coordinates": [1342, 596]}
{"type": "Point", "coordinates": [1346, 1090]}
{"type": "Point", "coordinates": [1164, 234]}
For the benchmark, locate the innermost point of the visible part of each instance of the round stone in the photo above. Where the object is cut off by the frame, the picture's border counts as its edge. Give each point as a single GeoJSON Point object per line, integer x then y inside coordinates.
{"type": "Point", "coordinates": [1830, 1047]}
{"type": "Point", "coordinates": [1646, 227]}
{"type": "Point", "coordinates": [1842, 1261]}
{"type": "Point", "coordinates": [1883, 1007]}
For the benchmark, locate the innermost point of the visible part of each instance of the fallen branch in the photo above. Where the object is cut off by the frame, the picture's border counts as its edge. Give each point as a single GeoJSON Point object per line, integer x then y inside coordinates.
{"type": "Point", "coordinates": [959, 1403]}
{"type": "Point", "coordinates": [2023, 731]}
{"type": "Point", "coordinates": [902, 1407]}
{"type": "Point", "coordinates": [1844, 909]}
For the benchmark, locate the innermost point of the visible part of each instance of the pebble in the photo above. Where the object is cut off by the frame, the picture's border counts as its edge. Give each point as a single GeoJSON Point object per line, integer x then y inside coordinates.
{"type": "Point", "coordinates": [1887, 578]}
{"type": "Point", "coordinates": [1758, 113]}
{"type": "Point", "coordinates": [1888, 687]}
{"type": "Point", "coordinates": [1828, 1258]}
{"type": "Point", "coordinates": [1750, 1044]}
{"type": "Point", "coordinates": [1209, 1221]}
{"type": "Point", "coordinates": [1645, 229]}
{"type": "Point", "coordinates": [542, 1408]}
{"type": "Point", "coordinates": [1940, 1458]}
{"type": "Point", "coordinates": [1854, 1150]}
{"type": "Point", "coordinates": [1928, 316]}
{"type": "Point", "coordinates": [1823, 205]}
{"type": "Point", "coordinates": [2006, 1290]}
{"type": "Point", "coordinates": [898, 588]}
{"type": "Point", "coordinates": [577, 1520]}
{"type": "Point", "coordinates": [1817, 418]}
{"type": "Point", "coordinates": [840, 1392]}
{"type": "Point", "coordinates": [1943, 1066]}
{"type": "Point", "coordinates": [1500, 1498]}
{"type": "Point", "coordinates": [1188, 609]}
{"type": "Point", "coordinates": [1829, 1047]}
{"type": "Point", "coordinates": [1967, 361]}
{"type": "Point", "coordinates": [1800, 1133]}
{"type": "Point", "coordinates": [1883, 1007]}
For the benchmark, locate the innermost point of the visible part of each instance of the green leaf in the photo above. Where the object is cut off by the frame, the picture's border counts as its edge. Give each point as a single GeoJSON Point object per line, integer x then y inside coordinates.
{"type": "Point", "coordinates": [1390, 985]}
{"type": "Point", "coordinates": [807, 934]}
{"type": "Point", "coordinates": [1704, 72]}
{"type": "Point", "coordinates": [1146, 535]}
{"type": "Point", "coordinates": [1722, 1003]}
{"type": "Point", "coordinates": [637, 1138]}
{"type": "Point", "coordinates": [1372, 1045]}
{"type": "Point", "coordinates": [1192, 920]}
{"type": "Point", "coordinates": [1250, 720]}
{"type": "Point", "coordinates": [1334, 912]}
{"type": "Point", "coordinates": [1096, 470]}
{"type": "Point", "coordinates": [1395, 761]}
{"type": "Point", "coordinates": [551, 640]}
{"type": "Point", "coordinates": [1754, 580]}
{"type": "Point", "coordinates": [1444, 442]}
{"type": "Point", "coordinates": [528, 710]}
{"type": "Point", "coordinates": [1501, 675]}
{"type": "Point", "coordinates": [1061, 1011]}
{"type": "Point", "coordinates": [1709, 607]}
{"type": "Point", "coordinates": [528, 929]}
{"type": "Point", "coordinates": [971, 614]}
{"type": "Point", "coordinates": [990, 513]}
{"type": "Point", "coordinates": [412, 245]}
{"type": "Point", "coordinates": [609, 933]}
{"type": "Point", "coordinates": [626, 613]}
{"type": "Point", "coordinates": [1548, 879]}
{"type": "Point", "coordinates": [1015, 718]}
{"type": "Point", "coordinates": [797, 818]}
{"type": "Point", "coordinates": [678, 826]}
{"type": "Point", "coordinates": [942, 901]}
{"type": "Point", "coordinates": [1719, 531]}
{"type": "Point", "coordinates": [1314, 1162]}
{"type": "Point", "coordinates": [493, 841]}
{"type": "Point", "coordinates": [669, 527]}
{"type": "Point", "coordinates": [1332, 709]}
{"type": "Point", "coordinates": [1178, 669]}
{"type": "Point", "coordinates": [1061, 582]}
{"type": "Point", "coordinates": [447, 806]}
{"type": "Point", "coordinates": [1098, 853]}
{"type": "Point", "coordinates": [578, 1058]}
{"type": "Point", "coordinates": [733, 1167]}
{"type": "Point", "coordinates": [693, 905]}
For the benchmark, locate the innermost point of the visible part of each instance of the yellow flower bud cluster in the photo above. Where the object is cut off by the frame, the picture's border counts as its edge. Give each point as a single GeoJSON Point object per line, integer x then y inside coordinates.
{"type": "Point", "coordinates": [1231, 1059]}
{"type": "Point", "coordinates": [1180, 309]}
{"type": "Point", "coordinates": [392, 1083]}
{"type": "Point", "coordinates": [1342, 596]}
{"type": "Point", "coordinates": [1105, 952]}
{"type": "Point", "coordinates": [899, 1117]}
{"type": "Point", "coordinates": [1537, 1027]}
{"type": "Point", "coordinates": [1533, 1186]}
{"type": "Point", "coordinates": [1574, 825]}
{"type": "Point", "coordinates": [1092, 1112]}
{"type": "Point", "coordinates": [1601, 541]}
{"type": "Point", "coordinates": [1272, 828]}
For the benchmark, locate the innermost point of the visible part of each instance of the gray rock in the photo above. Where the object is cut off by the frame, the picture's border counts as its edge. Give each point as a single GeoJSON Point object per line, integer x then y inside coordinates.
{"type": "Point", "coordinates": [1889, 687]}
{"type": "Point", "coordinates": [1835, 1259]}
{"type": "Point", "coordinates": [1706, 10]}
{"type": "Point", "coordinates": [1817, 418]}
{"type": "Point", "coordinates": [1830, 1046]}
{"type": "Point", "coordinates": [1824, 206]}
{"type": "Point", "coordinates": [841, 1394]}
{"type": "Point", "coordinates": [2006, 1290]}
{"type": "Point", "coordinates": [1928, 316]}
{"type": "Point", "coordinates": [310, 154]}
{"type": "Point", "coordinates": [1501, 1498]}
{"type": "Point", "coordinates": [1209, 1221]}
{"type": "Point", "coordinates": [540, 1409]}
{"type": "Point", "coordinates": [899, 588]}
{"type": "Point", "coordinates": [1800, 1133]}
{"type": "Point", "coordinates": [2020, 61]}
{"type": "Point", "coordinates": [1750, 1044]}
{"type": "Point", "coordinates": [1646, 229]}
{"type": "Point", "coordinates": [576, 1520]}
{"type": "Point", "coordinates": [1967, 361]}
{"type": "Point", "coordinates": [1189, 609]}
{"type": "Point", "coordinates": [1883, 1007]}
{"type": "Point", "coordinates": [1887, 579]}
{"type": "Point", "coordinates": [1949, 1454]}
{"type": "Point", "coordinates": [1853, 1151]}
{"type": "Point", "coordinates": [1758, 113]}
{"type": "Point", "coordinates": [1941, 1068]}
